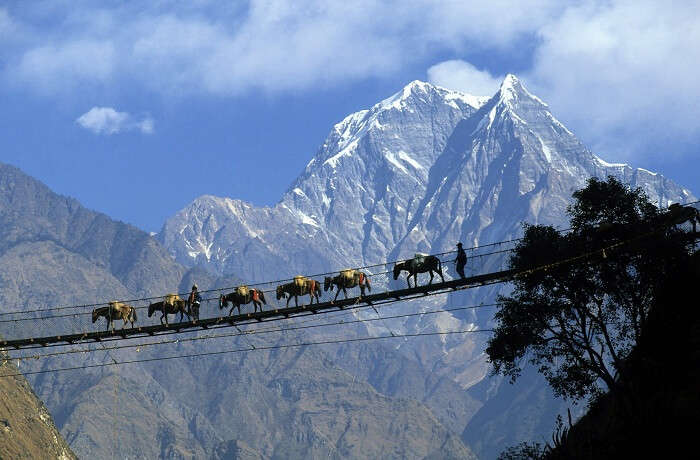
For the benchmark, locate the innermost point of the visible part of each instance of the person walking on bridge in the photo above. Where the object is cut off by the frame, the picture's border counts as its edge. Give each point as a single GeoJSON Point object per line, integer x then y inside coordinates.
{"type": "Point", "coordinates": [193, 302]}
{"type": "Point", "coordinates": [461, 260]}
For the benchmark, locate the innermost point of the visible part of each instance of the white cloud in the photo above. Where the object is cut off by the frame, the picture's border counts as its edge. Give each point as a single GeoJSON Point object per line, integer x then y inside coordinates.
{"type": "Point", "coordinates": [70, 64]}
{"type": "Point", "coordinates": [625, 70]}
{"type": "Point", "coordinates": [106, 120]}
{"type": "Point", "coordinates": [146, 125]}
{"type": "Point", "coordinates": [463, 76]}
{"type": "Point", "coordinates": [611, 69]}
{"type": "Point", "coordinates": [274, 45]}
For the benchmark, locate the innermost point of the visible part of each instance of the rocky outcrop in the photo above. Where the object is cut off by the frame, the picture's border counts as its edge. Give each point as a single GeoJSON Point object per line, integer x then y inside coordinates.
{"type": "Point", "coordinates": [27, 430]}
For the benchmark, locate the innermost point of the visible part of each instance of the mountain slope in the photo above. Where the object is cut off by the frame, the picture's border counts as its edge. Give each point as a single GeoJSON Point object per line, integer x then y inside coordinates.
{"type": "Point", "coordinates": [30, 212]}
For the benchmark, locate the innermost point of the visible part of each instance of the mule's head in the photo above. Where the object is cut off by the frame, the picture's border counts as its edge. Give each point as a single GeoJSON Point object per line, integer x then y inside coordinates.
{"type": "Point", "coordinates": [327, 283]}
{"type": "Point", "coordinates": [397, 270]}
{"type": "Point", "coordinates": [133, 313]}
{"type": "Point", "coordinates": [94, 315]}
{"type": "Point", "coordinates": [280, 292]}
{"type": "Point", "coordinates": [222, 301]}
{"type": "Point", "coordinates": [261, 296]}
{"type": "Point", "coordinates": [151, 309]}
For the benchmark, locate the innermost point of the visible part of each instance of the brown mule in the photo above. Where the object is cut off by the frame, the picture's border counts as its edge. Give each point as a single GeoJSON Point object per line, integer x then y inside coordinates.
{"type": "Point", "coordinates": [419, 264]}
{"type": "Point", "coordinates": [115, 310]}
{"type": "Point", "coordinates": [170, 305]}
{"type": "Point", "coordinates": [347, 279]}
{"type": "Point", "coordinates": [300, 286]}
{"type": "Point", "coordinates": [241, 296]}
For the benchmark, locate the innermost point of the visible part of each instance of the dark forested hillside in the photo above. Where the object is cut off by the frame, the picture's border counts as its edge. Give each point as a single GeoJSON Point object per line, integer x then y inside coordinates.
{"type": "Point", "coordinates": [661, 410]}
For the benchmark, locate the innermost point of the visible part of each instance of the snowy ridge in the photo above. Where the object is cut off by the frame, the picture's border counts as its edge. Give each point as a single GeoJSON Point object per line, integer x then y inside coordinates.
{"type": "Point", "coordinates": [422, 89]}
{"type": "Point", "coordinates": [387, 173]}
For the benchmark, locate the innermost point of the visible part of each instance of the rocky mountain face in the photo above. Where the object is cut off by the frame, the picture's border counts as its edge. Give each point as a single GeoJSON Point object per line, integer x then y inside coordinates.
{"type": "Point", "coordinates": [262, 404]}
{"type": "Point", "coordinates": [419, 171]}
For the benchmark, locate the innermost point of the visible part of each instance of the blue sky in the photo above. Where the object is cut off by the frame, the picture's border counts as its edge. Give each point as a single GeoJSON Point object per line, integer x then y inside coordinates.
{"type": "Point", "coordinates": [138, 110]}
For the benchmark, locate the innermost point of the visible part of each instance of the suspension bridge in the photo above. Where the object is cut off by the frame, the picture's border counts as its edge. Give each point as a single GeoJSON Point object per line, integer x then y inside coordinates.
{"type": "Point", "coordinates": [68, 325]}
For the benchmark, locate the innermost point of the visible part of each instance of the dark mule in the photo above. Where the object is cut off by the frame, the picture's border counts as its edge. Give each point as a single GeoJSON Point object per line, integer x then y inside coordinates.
{"type": "Point", "coordinates": [347, 279]}
{"type": "Point", "coordinates": [242, 296]}
{"type": "Point", "coordinates": [171, 305]}
{"type": "Point", "coordinates": [419, 264]}
{"type": "Point", "coordinates": [300, 286]}
{"type": "Point", "coordinates": [103, 311]}
{"type": "Point", "coordinates": [115, 310]}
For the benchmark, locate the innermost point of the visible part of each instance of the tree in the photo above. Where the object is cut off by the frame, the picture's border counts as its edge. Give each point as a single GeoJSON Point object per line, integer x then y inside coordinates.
{"type": "Point", "coordinates": [583, 299]}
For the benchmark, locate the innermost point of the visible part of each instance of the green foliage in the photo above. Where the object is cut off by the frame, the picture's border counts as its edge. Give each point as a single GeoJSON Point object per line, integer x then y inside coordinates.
{"type": "Point", "coordinates": [578, 316]}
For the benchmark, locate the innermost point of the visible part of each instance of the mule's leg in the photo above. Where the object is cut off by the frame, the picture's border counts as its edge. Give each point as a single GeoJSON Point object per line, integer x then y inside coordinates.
{"type": "Point", "coordinates": [431, 277]}
{"type": "Point", "coordinates": [408, 279]}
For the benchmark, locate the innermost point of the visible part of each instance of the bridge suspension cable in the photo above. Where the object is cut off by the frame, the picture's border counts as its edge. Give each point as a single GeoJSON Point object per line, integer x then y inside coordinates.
{"type": "Point", "coordinates": [241, 350]}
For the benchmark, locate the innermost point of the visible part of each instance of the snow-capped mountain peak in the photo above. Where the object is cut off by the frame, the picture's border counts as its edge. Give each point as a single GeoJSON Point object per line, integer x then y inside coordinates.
{"type": "Point", "coordinates": [417, 171]}
{"type": "Point", "coordinates": [513, 91]}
